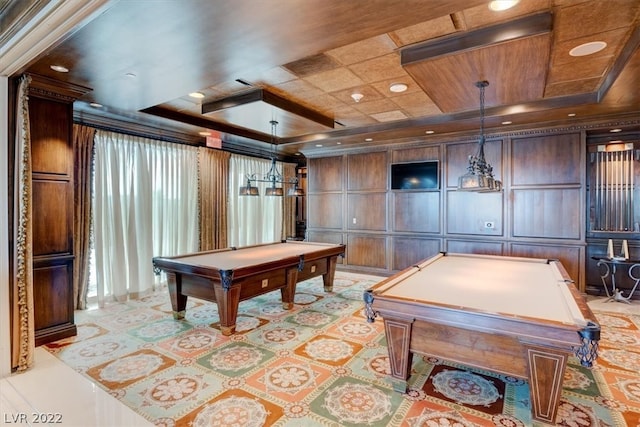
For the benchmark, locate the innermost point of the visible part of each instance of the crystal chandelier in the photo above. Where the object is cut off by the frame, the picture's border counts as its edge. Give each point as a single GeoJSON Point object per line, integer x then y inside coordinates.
{"type": "Point", "coordinates": [479, 176]}
{"type": "Point", "coordinates": [273, 176]}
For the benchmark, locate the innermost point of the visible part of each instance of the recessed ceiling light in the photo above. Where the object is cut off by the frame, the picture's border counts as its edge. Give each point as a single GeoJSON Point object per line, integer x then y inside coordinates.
{"type": "Point", "coordinates": [500, 5]}
{"type": "Point", "coordinates": [615, 130]}
{"type": "Point", "coordinates": [429, 132]}
{"type": "Point", "coordinates": [197, 95]}
{"type": "Point", "coordinates": [319, 145]}
{"type": "Point", "coordinates": [59, 68]}
{"type": "Point", "coordinates": [338, 143]}
{"type": "Point", "coordinates": [571, 114]}
{"type": "Point", "coordinates": [398, 87]}
{"type": "Point", "coordinates": [95, 105]}
{"type": "Point", "coordinates": [368, 139]}
{"type": "Point", "coordinates": [587, 48]}
{"type": "Point", "coordinates": [204, 133]}
{"type": "Point", "coordinates": [507, 122]}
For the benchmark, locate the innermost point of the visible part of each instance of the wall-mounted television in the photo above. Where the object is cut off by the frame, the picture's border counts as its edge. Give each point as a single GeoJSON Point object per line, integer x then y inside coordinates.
{"type": "Point", "coordinates": [415, 176]}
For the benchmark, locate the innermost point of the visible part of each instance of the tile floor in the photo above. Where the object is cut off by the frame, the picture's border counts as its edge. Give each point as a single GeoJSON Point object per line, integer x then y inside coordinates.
{"type": "Point", "coordinates": [62, 396]}
{"type": "Point", "coordinates": [51, 387]}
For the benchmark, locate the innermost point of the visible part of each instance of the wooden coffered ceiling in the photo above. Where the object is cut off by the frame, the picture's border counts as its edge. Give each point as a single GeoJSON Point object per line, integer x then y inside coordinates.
{"type": "Point", "coordinates": [299, 61]}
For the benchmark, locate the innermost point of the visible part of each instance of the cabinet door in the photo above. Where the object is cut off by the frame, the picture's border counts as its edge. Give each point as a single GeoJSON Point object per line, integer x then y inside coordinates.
{"type": "Point", "coordinates": [417, 212]}
{"type": "Point", "coordinates": [367, 211]}
{"type": "Point", "coordinates": [367, 251]}
{"type": "Point", "coordinates": [325, 211]}
{"type": "Point", "coordinates": [325, 174]}
{"type": "Point", "coordinates": [367, 172]}
{"type": "Point", "coordinates": [553, 213]}
{"type": "Point", "coordinates": [474, 213]}
{"type": "Point", "coordinates": [553, 159]}
{"type": "Point", "coordinates": [408, 251]}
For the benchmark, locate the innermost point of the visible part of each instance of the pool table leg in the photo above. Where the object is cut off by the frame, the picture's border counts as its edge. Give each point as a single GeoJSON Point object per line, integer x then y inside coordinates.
{"type": "Point", "coordinates": [227, 301]}
{"type": "Point", "coordinates": [289, 291]}
{"type": "Point", "coordinates": [546, 371]}
{"type": "Point", "coordinates": [398, 333]}
{"type": "Point", "coordinates": [328, 277]}
{"type": "Point", "coordinates": [178, 301]}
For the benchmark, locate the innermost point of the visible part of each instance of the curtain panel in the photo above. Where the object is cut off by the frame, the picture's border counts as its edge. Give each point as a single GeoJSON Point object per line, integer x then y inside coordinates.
{"type": "Point", "coordinates": [146, 205]}
{"type": "Point", "coordinates": [23, 324]}
{"type": "Point", "coordinates": [252, 219]}
{"type": "Point", "coordinates": [83, 175]}
{"type": "Point", "coordinates": [213, 188]}
{"type": "Point", "coordinates": [289, 216]}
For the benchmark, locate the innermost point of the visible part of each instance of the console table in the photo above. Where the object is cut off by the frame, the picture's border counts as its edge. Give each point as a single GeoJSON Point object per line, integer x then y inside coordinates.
{"type": "Point", "coordinates": [611, 267]}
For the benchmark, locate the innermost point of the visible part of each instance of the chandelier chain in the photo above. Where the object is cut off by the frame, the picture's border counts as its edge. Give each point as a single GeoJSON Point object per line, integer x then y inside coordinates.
{"type": "Point", "coordinates": [482, 112]}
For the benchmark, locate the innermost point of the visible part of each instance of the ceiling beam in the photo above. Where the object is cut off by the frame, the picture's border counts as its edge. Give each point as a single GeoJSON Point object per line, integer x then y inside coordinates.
{"type": "Point", "coordinates": [531, 25]}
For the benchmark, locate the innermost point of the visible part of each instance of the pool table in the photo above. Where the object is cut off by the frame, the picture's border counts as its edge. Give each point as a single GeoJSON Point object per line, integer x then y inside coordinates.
{"type": "Point", "coordinates": [516, 316]}
{"type": "Point", "coordinates": [228, 276]}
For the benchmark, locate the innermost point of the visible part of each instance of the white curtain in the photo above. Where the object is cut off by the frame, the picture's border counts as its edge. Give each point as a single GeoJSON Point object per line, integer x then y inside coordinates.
{"type": "Point", "coordinates": [146, 204]}
{"type": "Point", "coordinates": [252, 219]}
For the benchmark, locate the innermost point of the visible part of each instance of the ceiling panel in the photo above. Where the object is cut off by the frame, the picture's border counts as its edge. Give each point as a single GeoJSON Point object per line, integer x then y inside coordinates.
{"type": "Point", "coordinates": [316, 53]}
{"type": "Point", "coordinates": [449, 80]}
{"type": "Point", "coordinates": [259, 109]}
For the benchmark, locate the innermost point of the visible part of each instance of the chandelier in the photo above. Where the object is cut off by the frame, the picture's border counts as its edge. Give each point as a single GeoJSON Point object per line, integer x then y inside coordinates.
{"type": "Point", "coordinates": [479, 176]}
{"type": "Point", "coordinates": [273, 176]}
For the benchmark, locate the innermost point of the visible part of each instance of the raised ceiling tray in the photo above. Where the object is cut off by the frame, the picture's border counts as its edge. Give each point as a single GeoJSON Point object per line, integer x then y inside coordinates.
{"type": "Point", "coordinates": [256, 109]}
{"type": "Point", "coordinates": [447, 69]}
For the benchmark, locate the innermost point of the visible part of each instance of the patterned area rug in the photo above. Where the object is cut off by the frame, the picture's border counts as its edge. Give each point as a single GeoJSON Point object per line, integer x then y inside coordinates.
{"type": "Point", "coordinates": [321, 364]}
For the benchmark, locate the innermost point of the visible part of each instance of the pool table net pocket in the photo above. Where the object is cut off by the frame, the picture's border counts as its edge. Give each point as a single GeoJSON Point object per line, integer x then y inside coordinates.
{"type": "Point", "coordinates": [587, 353]}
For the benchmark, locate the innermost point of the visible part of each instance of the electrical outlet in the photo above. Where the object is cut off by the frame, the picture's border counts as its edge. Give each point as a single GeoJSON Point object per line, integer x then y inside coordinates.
{"type": "Point", "coordinates": [489, 225]}
{"type": "Point", "coordinates": [354, 220]}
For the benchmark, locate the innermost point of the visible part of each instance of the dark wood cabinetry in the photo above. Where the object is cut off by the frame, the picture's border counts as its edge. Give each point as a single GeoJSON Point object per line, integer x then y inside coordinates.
{"type": "Point", "coordinates": [51, 121]}
{"type": "Point", "coordinates": [613, 205]}
{"type": "Point", "coordinates": [367, 251]}
{"type": "Point", "coordinates": [367, 211]}
{"type": "Point", "coordinates": [409, 250]}
{"type": "Point", "coordinates": [324, 185]}
{"type": "Point", "coordinates": [539, 212]}
{"type": "Point", "coordinates": [416, 211]}
{"type": "Point", "coordinates": [325, 175]}
{"type": "Point", "coordinates": [548, 187]}
{"type": "Point", "coordinates": [367, 172]}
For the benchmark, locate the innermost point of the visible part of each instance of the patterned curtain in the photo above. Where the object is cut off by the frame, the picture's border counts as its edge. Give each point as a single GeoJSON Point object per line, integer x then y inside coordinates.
{"type": "Point", "coordinates": [83, 161]}
{"type": "Point", "coordinates": [213, 183]}
{"type": "Point", "coordinates": [23, 327]}
{"type": "Point", "coordinates": [289, 213]}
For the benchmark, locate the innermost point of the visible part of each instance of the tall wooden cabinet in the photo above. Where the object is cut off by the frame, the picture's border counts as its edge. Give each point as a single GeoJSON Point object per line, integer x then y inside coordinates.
{"type": "Point", "coordinates": [51, 125]}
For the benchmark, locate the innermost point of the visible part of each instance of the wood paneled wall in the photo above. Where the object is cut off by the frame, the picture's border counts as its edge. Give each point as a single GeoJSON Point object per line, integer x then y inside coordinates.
{"type": "Point", "coordinates": [51, 121]}
{"type": "Point", "coordinates": [539, 213]}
